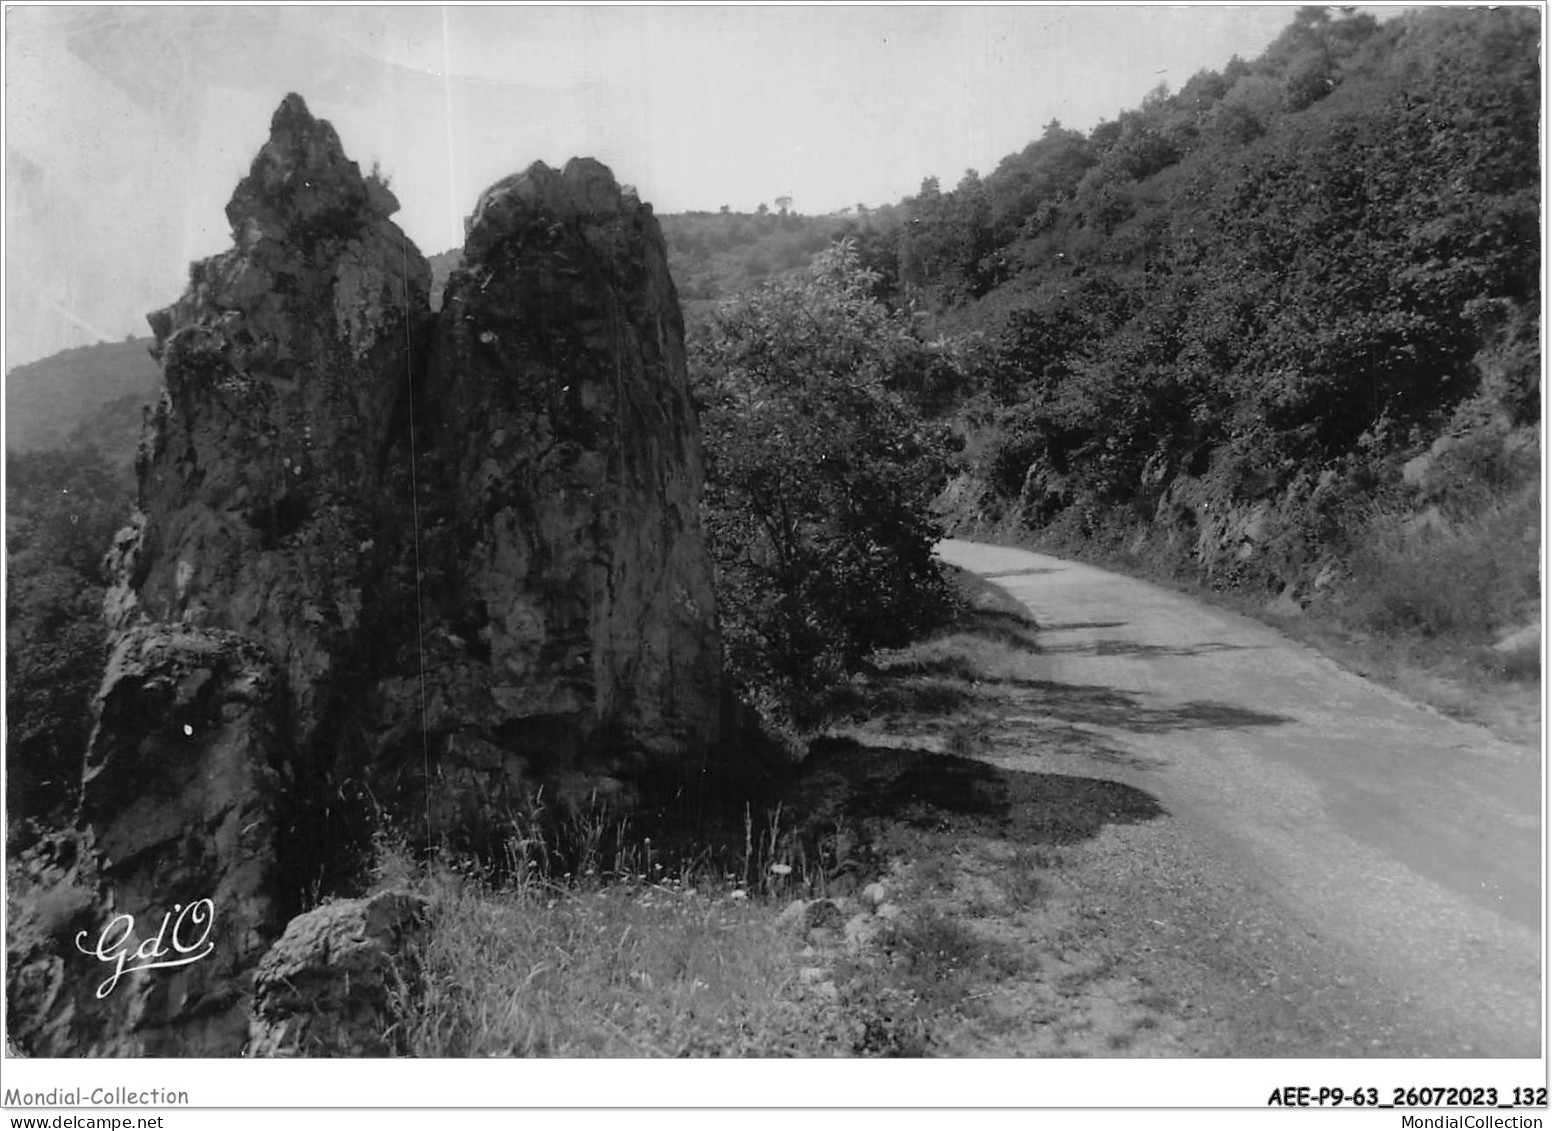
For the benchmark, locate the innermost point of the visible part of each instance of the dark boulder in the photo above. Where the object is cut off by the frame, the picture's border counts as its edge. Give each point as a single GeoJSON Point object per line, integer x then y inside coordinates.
{"type": "Point", "coordinates": [329, 986]}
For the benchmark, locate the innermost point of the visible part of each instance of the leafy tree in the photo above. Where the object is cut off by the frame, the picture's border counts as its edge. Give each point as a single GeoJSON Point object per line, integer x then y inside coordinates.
{"type": "Point", "coordinates": [1046, 172]}
{"type": "Point", "coordinates": [946, 242]}
{"type": "Point", "coordinates": [819, 480]}
{"type": "Point", "coordinates": [878, 254]}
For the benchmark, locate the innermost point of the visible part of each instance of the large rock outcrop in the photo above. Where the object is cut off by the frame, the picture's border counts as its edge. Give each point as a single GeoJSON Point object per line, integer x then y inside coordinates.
{"type": "Point", "coordinates": [575, 643]}
{"type": "Point", "coordinates": [384, 564]}
{"type": "Point", "coordinates": [270, 478]}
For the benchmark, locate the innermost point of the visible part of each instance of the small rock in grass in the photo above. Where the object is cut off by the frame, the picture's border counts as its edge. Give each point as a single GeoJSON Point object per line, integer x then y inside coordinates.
{"type": "Point", "coordinates": [873, 896]}
{"type": "Point", "coordinates": [327, 986]}
{"type": "Point", "coordinates": [823, 913]}
{"type": "Point", "coordinates": [792, 917]}
{"type": "Point", "coordinates": [1527, 639]}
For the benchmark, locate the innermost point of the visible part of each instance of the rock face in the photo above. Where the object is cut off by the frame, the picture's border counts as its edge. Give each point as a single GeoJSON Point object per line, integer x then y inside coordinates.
{"type": "Point", "coordinates": [155, 913]}
{"type": "Point", "coordinates": [268, 478]}
{"type": "Point", "coordinates": [384, 564]}
{"type": "Point", "coordinates": [185, 786]}
{"type": "Point", "coordinates": [53, 898]}
{"type": "Point", "coordinates": [577, 643]}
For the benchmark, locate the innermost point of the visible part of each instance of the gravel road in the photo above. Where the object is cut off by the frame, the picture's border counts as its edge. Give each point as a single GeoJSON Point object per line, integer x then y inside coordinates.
{"type": "Point", "coordinates": [1338, 871]}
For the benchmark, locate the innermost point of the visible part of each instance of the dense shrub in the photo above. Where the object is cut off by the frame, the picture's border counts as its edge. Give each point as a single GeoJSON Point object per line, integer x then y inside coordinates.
{"type": "Point", "coordinates": [1440, 579]}
{"type": "Point", "coordinates": [819, 481]}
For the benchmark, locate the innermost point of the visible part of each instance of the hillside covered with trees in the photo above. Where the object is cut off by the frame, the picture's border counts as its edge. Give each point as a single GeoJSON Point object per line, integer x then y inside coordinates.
{"type": "Point", "coordinates": [1277, 330]}
{"type": "Point", "coordinates": [85, 397]}
{"type": "Point", "coordinates": [715, 254]}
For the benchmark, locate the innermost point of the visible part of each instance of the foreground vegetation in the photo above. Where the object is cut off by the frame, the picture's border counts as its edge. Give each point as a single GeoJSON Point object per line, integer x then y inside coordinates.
{"type": "Point", "coordinates": [627, 961]}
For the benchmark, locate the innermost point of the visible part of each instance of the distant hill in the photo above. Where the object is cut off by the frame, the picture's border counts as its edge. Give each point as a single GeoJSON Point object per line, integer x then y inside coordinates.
{"type": "Point", "coordinates": [716, 254]}
{"type": "Point", "coordinates": [89, 396]}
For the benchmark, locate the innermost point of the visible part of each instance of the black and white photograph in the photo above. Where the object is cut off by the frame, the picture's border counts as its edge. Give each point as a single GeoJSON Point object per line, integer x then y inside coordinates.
{"type": "Point", "coordinates": [965, 534]}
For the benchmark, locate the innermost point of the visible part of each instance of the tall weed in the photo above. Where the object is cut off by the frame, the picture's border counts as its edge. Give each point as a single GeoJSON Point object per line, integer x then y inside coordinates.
{"type": "Point", "coordinates": [1460, 580]}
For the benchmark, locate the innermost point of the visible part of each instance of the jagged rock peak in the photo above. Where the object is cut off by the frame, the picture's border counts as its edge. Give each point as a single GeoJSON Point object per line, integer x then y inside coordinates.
{"type": "Point", "coordinates": [301, 182]}
{"type": "Point", "coordinates": [585, 188]}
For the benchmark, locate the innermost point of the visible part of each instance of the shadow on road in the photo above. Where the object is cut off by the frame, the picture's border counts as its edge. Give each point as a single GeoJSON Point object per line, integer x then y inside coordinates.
{"type": "Point", "coordinates": [1004, 628]}
{"type": "Point", "coordinates": [1143, 651]}
{"type": "Point", "coordinates": [1097, 705]}
{"type": "Point", "coordinates": [1053, 736]}
{"type": "Point", "coordinates": [1073, 625]}
{"type": "Point", "coordinates": [954, 696]}
{"type": "Point", "coordinates": [945, 793]}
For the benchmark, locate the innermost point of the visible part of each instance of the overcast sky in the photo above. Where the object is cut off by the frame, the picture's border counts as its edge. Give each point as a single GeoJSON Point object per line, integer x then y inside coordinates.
{"type": "Point", "coordinates": [128, 127]}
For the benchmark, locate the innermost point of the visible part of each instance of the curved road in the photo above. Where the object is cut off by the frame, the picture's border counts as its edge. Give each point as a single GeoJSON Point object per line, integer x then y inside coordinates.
{"type": "Point", "coordinates": [1375, 867]}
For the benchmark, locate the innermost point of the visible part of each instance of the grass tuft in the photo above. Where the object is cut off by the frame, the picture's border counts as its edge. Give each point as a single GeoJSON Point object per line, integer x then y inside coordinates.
{"type": "Point", "coordinates": [605, 966]}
